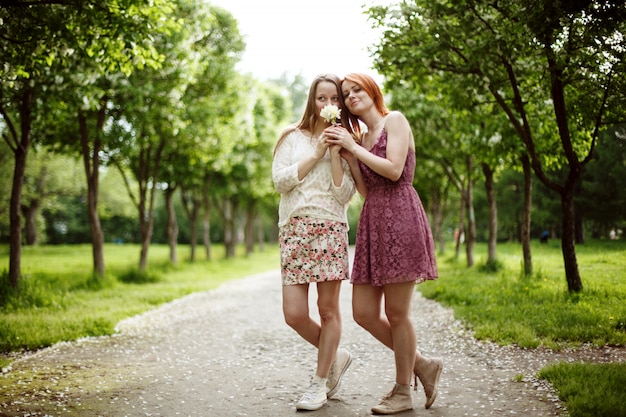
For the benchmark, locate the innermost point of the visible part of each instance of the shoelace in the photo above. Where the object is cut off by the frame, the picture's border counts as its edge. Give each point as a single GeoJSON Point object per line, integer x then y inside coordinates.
{"type": "Point", "coordinates": [311, 393]}
{"type": "Point", "coordinates": [386, 399]}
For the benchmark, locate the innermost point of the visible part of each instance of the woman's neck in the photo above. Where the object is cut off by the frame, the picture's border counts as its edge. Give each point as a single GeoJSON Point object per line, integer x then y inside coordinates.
{"type": "Point", "coordinates": [372, 120]}
{"type": "Point", "coordinates": [374, 124]}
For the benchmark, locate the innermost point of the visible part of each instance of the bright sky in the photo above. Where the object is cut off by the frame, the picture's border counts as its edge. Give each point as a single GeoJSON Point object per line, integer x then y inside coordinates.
{"type": "Point", "coordinates": [304, 36]}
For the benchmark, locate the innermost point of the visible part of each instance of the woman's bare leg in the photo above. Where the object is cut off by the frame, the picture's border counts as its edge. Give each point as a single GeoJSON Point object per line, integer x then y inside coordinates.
{"type": "Point", "coordinates": [330, 317]}
{"type": "Point", "coordinates": [367, 312]}
{"type": "Point", "coordinates": [398, 309]}
{"type": "Point", "coordinates": [394, 328]}
{"type": "Point", "coordinates": [296, 312]}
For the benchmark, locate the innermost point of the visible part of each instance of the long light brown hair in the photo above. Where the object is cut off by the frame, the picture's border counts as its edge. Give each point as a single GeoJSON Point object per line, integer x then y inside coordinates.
{"type": "Point", "coordinates": [310, 117]}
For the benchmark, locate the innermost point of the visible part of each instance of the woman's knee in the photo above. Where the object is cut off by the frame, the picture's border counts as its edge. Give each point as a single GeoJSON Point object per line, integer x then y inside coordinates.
{"type": "Point", "coordinates": [296, 318]}
{"type": "Point", "coordinates": [330, 319]}
{"type": "Point", "coordinates": [364, 316]}
{"type": "Point", "coordinates": [329, 313]}
{"type": "Point", "coordinates": [366, 305]}
{"type": "Point", "coordinates": [398, 303]}
{"type": "Point", "coordinates": [397, 317]}
{"type": "Point", "coordinates": [328, 302]}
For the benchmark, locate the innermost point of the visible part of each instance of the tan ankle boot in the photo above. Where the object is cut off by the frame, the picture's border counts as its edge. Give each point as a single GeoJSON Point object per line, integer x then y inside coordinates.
{"type": "Point", "coordinates": [428, 371]}
{"type": "Point", "coordinates": [399, 399]}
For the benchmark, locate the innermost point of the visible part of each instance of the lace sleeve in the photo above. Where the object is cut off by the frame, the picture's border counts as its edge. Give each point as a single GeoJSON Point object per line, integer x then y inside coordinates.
{"type": "Point", "coordinates": [284, 169]}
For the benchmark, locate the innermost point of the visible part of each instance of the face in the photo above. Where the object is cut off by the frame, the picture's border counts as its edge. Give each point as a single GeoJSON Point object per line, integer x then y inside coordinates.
{"type": "Point", "coordinates": [355, 98]}
{"type": "Point", "coordinates": [326, 93]}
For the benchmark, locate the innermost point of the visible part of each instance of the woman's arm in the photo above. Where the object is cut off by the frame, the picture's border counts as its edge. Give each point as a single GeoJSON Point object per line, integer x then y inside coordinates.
{"type": "Point", "coordinates": [399, 137]}
{"type": "Point", "coordinates": [335, 163]}
{"type": "Point", "coordinates": [284, 170]}
{"type": "Point", "coordinates": [286, 173]}
{"type": "Point", "coordinates": [307, 164]}
{"type": "Point", "coordinates": [343, 187]}
{"type": "Point", "coordinates": [398, 143]}
{"type": "Point", "coordinates": [340, 139]}
{"type": "Point", "coordinates": [355, 170]}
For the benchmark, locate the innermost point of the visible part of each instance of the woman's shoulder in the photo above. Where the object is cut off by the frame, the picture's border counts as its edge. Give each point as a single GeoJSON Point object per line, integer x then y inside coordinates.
{"type": "Point", "coordinates": [286, 131]}
{"type": "Point", "coordinates": [397, 126]}
{"type": "Point", "coordinates": [396, 120]}
{"type": "Point", "coordinates": [292, 131]}
{"type": "Point", "coordinates": [287, 136]}
{"type": "Point", "coordinates": [395, 116]}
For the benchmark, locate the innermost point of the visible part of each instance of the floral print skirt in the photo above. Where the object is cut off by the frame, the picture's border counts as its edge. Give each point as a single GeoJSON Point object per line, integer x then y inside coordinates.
{"type": "Point", "coordinates": [313, 250]}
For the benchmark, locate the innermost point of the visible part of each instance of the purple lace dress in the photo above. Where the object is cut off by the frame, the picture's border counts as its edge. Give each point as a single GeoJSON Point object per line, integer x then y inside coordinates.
{"type": "Point", "coordinates": [394, 243]}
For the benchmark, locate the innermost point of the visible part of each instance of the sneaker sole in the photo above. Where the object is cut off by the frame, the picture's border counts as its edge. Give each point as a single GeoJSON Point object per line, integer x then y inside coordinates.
{"type": "Point", "coordinates": [343, 371]}
{"type": "Point", "coordinates": [310, 407]}
{"type": "Point", "coordinates": [389, 412]}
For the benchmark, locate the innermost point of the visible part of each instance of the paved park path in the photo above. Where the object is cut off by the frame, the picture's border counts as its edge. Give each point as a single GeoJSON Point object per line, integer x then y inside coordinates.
{"type": "Point", "coordinates": [228, 352]}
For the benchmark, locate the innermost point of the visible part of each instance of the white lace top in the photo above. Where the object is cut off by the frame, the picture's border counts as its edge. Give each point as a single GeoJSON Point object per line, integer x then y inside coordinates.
{"type": "Point", "coordinates": [315, 195]}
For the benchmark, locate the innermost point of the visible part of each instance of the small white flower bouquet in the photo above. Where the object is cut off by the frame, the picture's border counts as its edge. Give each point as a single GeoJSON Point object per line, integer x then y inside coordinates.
{"type": "Point", "coordinates": [331, 113]}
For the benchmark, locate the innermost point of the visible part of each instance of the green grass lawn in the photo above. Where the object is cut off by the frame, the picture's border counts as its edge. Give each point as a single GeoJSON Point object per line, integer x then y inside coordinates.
{"type": "Point", "coordinates": [61, 301]}
{"type": "Point", "coordinates": [505, 307]}
{"type": "Point", "coordinates": [590, 390]}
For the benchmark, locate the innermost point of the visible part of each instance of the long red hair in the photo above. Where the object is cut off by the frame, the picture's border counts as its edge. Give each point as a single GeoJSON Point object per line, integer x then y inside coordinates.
{"type": "Point", "coordinates": [372, 89]}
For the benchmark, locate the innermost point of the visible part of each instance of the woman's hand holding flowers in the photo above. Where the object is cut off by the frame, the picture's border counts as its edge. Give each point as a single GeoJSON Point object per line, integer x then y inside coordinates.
{"type": "Point", "coordinates": [331, 114]}
{"type": "Point", "coordinates": [338, 136]}
{"type": "Point", "coordinates": [321, 146]}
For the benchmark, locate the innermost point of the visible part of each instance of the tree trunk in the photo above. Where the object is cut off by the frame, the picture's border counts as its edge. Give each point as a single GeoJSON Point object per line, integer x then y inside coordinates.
{"type": "Point", "coordinates": [15, 233]}
{"type": "Point", "coordinates": [493, 214]}
{"type": "Point", "coordinates": [193, 230]}
{"type": "Point", "coordinates": [249, 229]}
{"type": "Point", "coordinates": [97, 235]}
{"type": "Point", "coordinates": [91, 161]}
{"type": "Point", "coordinates": [149, 177]}
{"type": "Point", "coordinates": [470, 237]}
{"type": "Point", "coordinates": [20, 151]}
{"type": "Point", "coordinates": [459, 236]}
{"type": "Point", "coordinates": [144, 230]}
{"type": "Point", "coordinates": [206, 218]}
{"type": "Point", "coordinates": [206, 234]}
{"type": "Point", "coordinates": [574, 283]}
{"type": "Point", "coordinates": [30, 215]}
{"type": "Point", "coordinates": [557, 90]}
{"type": "Point", "coordinates": [14, 213]}
{"type": "Point", "coordinates": [260, 234]}
{"type": "Point", "coordinates": [30, 209]}
{"type": "Point", "coordinates": [172, 223]}
{"type": "Point", "coordinates": [436, 208]}
{"type": "Point", "coordinates": [526, 216]}
{"type": "Point", "coordinates": [191, 206]}
{"type": "Point", "coordinates": [579, 237]}
{"type": "Point", "coordinates": [230, 233]}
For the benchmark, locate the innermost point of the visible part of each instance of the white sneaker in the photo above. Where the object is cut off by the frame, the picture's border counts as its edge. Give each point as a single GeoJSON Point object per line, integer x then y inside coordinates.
{"type": "Point", "coordinates": [337, 369]}
{"type": "Point", "coordinates": [313, 398]}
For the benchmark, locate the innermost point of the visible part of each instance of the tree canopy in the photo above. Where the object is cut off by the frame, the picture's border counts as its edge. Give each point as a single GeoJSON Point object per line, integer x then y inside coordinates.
{"type": "Point", "coordinates": [555, 70]}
